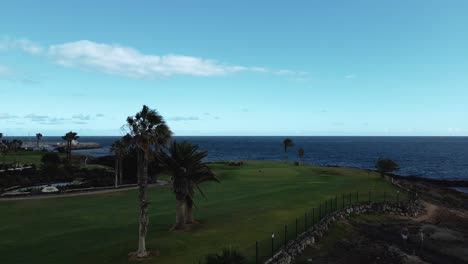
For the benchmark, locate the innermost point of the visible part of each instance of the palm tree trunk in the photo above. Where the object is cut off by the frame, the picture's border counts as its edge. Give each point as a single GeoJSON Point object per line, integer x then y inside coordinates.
{"type": "Point", "coordinates": [143, 199]}
{"type": "Point", "coordinates": [189, 212]}
{"type": "Point", "coordinates": [116, 172]}
{"type": "Point", "coordinates": [120, 170]}
{"type": "Point", "coordinates": [68, 150]}
{"type": "Point", "coordinates": [180, 215]}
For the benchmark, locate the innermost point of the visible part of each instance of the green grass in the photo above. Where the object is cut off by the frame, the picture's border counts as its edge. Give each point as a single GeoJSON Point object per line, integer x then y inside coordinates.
{"type": "Point", "coordinates": [250, 202]}
{"type": "Point", "coordinates": [24, 157]}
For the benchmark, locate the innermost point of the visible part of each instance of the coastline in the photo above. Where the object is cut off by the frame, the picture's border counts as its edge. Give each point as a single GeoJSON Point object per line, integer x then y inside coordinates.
{"type": "Point", "coordinates": [58, 145]}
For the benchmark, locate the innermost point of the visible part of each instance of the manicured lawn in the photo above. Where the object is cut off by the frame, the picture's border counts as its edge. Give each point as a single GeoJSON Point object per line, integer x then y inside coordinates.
{"type": "Point", "coordinates": [25, 157]}
{"type": "Point", "coordinates": [250, 202]}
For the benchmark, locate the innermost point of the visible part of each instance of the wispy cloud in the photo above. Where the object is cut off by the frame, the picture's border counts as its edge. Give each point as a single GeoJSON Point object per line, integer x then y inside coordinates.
{"type": "Point", "coordinates": [127, 61]}
{"type": "Point", "coordinates": [36, 118]}
{"type": "Point", "coordinates": [183, 118]}
{"type": "Point", "coordinates": [350, 76]}
{"type": "Point", "coordinates": [45, 119]}
{"type": "Point", "coordinates": [7, 116]}
{"type": "Point", "coordinates": [57, 120]}
{"type": "Point", "coordinates": [80, 122]}
{"type": "Point", "coordinates": [23, 44]}
{"type": "Point", "coordinates": [82, 117]}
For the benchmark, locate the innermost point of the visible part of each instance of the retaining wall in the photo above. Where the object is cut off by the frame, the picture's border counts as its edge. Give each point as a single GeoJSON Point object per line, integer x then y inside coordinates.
{"type": "Point", "coordinates": [295, 248]}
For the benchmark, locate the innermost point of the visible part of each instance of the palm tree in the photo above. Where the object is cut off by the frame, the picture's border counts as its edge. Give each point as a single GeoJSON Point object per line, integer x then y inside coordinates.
{"type": "Point", "coordinates": [14, 146]}
{"type": "Point", "coordinates": [149, 132]}
{"type": "Point", "coordinates": [120, 148]}
{"type": "Point", "coordinates": [185, 163]}
{"type": "Point", "coordinates": [287, 143]}
{"type": "Point", "coordinates": [69, 137]}
{"type": "Point", "coordinates": [4, 149]}
{"type": "Point", "coordinates": [300, 154]}
{"type": "Point", "coordinates": [38, 138]}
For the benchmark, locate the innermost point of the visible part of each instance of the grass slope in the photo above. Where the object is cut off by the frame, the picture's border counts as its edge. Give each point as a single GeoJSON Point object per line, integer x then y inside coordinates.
{"type": "Point", "coordinates": [250, 202]}
{"type": "Point", "coordinates": [24, 157]}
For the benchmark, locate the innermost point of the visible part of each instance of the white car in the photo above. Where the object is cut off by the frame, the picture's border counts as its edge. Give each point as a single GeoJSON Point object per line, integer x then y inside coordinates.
{"type": "Point", "coordinates": [49, 189]}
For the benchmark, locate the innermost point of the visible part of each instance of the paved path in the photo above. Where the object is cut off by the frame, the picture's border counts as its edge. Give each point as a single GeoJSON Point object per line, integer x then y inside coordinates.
{"type": "Point", "coordinates": [49, 196]}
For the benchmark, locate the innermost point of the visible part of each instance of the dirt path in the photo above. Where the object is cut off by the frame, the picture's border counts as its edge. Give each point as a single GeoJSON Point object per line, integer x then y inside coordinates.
{"type": "Point", "coordinates": [429, 215]}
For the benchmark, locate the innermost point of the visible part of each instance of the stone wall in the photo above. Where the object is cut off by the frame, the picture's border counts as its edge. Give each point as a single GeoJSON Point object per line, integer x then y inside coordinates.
{"type": "Point", "coordinates": [295, 247]}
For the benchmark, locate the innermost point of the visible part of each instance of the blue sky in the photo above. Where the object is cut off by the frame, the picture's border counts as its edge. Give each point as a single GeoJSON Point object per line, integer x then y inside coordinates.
{"type": "Point", "coordinates": [235, 67]}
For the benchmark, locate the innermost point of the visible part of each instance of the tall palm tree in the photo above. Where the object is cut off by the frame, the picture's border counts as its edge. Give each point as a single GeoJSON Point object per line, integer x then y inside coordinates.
{"type": "Point", "coordinates": [287, 143]}
{"type": "Point", "coordinates": [69, 137]}
{"type": "Point", "coordinates": [120, 148]}
{"type": "Point", "coordinates": [185, 163]}
{"type": "Point", "coordinates": [127, 144]}
{"type": "Point", "coordinates": [300, 154]}
{"type": "Point", "coordinates": [3, 149]}
{"type": "Point", "coordinates": [14, 146]}
{"type": "Point", "coordinates": [149, 132]}
{"type": "Point", "coordinates": [38, 138]}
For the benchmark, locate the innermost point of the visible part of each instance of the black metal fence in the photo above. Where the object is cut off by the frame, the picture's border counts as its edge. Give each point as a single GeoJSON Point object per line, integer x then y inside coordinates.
{"type": "Point", "coordinates": [265, 248]}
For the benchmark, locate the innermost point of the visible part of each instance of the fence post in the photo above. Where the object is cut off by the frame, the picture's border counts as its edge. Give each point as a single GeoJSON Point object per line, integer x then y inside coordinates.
{"type": "Point", "coordinates": [398, 196]}
{"type": "Point", "coordinates": [369, 196]}
{"type": "Point", "coordinates": [305, 222]}
{"type": "Point", "coordinates": [350, 201]}
{"type": "Point", "coordinates": [336, 202]}
{"type": "Point", "coordinates": [343, 199]}
{"type": "Point", "coordinates": [272, 244]}
{"type": "Point", "coordinates": [296, 227]}
{"type": "Point", "coordinates": [313, 216]}
{"type": "Point", "coordinates": [285, 234]}
{"type": "Point", "coordinates": [384, 196]}
{"type": "Point", "coordinates": [357, 196]}
{"type": "Point", "coordinates": [326, 209]}
{"type": "Point", "coordinates": [256, 252]}
{"type": "Point", "coordinates": [320, 212]}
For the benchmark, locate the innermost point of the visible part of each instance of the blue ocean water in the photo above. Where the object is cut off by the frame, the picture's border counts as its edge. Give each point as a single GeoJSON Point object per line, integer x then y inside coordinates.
{"type": "Point", "coordinates": [430, 157]}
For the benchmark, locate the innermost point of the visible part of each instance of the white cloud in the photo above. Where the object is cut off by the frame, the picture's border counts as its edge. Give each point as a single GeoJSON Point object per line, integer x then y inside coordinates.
{"type": "Point", "coordinates": [183, 118]}
{"type": "Point", "coordinates": [7, 116]}
{"type": "Point", "coordinates": [23, 44]}
{"type": "Point", "coordinates": [37, 118]}
{"type": "Point", "coordinates": [82, 117]}
{"type": "Point", "coordinates": [127, 61]}
{"type": "Point", "coordinates": [350, 76]}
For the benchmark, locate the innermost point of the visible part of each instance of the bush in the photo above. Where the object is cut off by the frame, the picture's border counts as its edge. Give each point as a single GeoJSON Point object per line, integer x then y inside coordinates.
{"type": "Point", "coordinates": [386, 166]}
{"type": "Point", "coordinates": [51, 159]}
{"type": "Point", "coordinates": [236, 163]}
{"type": "Point", "coordinates": [227, 256]}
